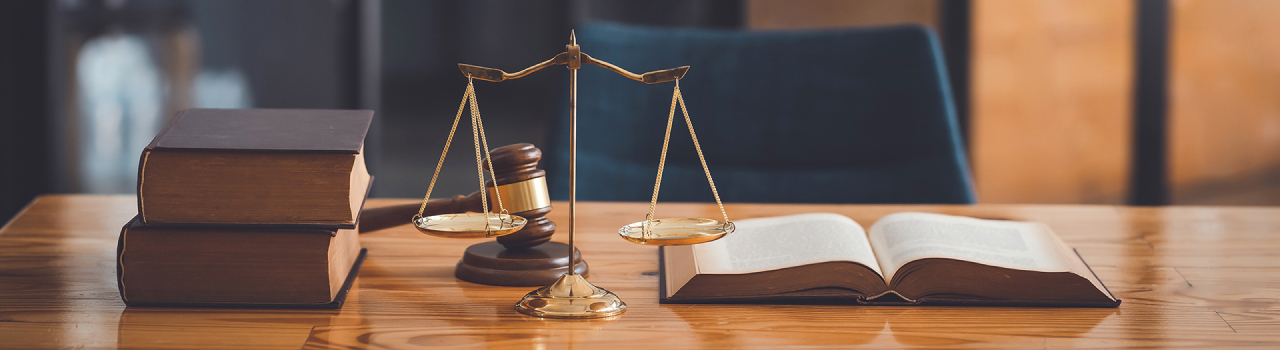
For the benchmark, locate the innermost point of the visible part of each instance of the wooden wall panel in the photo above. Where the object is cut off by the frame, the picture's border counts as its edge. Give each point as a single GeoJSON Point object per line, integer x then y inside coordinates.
{"type": "Point", "coordinates": [808, 14]}
{"type": "Point", "coordinates": [1224, 113]}
{"type": "Point", "coordinates": [1051, 87]}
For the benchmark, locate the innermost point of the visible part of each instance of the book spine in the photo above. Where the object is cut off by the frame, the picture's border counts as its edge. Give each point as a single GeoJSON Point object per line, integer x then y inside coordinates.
{"type": "Point", "coordinates": [124, 295]}
{"type": "Point", "coordinates": [142, 169]}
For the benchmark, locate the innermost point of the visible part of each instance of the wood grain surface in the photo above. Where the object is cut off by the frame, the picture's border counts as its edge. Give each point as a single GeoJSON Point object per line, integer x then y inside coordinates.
{"type": "Point", "coordinates": [1190, 277]}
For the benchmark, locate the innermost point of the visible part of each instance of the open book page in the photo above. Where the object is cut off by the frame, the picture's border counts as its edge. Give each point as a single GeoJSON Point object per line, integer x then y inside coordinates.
{"type": "Point", "coordinates": [904, 237]}
{"type": "Point", "coordinates": [779, 242]}
{"type": "Point", "coordinates": [1080, 267]}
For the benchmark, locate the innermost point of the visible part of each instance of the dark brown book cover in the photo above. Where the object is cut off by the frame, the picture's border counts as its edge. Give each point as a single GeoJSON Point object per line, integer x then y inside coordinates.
{"type": "Point", "coordinates": [337, 301]}
{"type": "Point", "coordinates": [842, 296]}
{"type": "Point", "coordinates": [270, 130]}
{"type": "Point", "coordinates": [294, 134]}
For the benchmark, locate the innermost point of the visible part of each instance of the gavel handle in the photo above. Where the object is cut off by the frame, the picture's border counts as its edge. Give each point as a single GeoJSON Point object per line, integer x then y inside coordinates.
{"type": "Point", "coordinates": [374, 219]}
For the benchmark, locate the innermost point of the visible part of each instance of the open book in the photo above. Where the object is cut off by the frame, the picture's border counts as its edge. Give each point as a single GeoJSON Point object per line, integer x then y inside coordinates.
{"type": "Point", "coordinates": [907, 258]}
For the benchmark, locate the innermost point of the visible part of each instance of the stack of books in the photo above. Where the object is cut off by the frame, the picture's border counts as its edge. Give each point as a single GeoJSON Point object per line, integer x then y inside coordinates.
{"type": "Point", "coordinates": [248, 207]}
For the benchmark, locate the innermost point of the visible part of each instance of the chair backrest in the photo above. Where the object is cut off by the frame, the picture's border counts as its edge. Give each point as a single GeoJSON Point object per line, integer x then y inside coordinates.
{"type": "Point", "coordinates": [836, 116]}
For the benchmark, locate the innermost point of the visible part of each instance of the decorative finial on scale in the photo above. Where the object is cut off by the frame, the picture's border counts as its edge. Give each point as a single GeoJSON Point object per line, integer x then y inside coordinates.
{"type": "Point", "coordinates": [573, 53]}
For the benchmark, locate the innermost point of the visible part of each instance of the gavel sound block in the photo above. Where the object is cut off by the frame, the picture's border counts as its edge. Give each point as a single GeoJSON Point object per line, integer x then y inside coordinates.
{"type": "Point", "coordinates": [524, 258]}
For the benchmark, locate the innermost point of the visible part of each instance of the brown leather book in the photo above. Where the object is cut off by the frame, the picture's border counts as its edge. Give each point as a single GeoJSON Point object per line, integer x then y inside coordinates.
{"type": "Point", "coordinates": [236, 267]}
{"type": "Point", "coordinates": [903, 259]}
{"type": "Point", "coordinates": [256, 167]}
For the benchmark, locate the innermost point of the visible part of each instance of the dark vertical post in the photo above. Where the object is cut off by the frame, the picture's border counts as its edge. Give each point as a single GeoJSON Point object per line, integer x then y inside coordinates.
{"type": "Point", "coordinates": [369, 77]}
{"type": "Point", "coordinates": [1148, 182]}
{"type": "Point", "coordinates": [954, 18]}
{"type": "Point", "coordinates": [25, 105]}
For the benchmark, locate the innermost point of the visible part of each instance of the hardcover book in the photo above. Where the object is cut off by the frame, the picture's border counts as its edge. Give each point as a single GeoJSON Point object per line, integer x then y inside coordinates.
{"type": "Point", "coordinates": [238, 267]}
{"type": "Point", "coordinates": [256, 167]}
{"type": "Point", "coordinates": [904, 259]}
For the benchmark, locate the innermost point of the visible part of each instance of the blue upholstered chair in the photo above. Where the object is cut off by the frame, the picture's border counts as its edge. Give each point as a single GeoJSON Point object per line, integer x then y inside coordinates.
{"type": "Point", "coordinates": [835, 116]}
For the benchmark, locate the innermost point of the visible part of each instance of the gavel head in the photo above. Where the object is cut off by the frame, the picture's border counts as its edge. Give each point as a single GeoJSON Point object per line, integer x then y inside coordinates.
{"type": "Point", "coordinates": [522, 189]}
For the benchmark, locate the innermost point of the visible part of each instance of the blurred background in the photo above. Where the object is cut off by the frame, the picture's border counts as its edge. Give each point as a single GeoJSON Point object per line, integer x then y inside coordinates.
{"type": "Point", "coordinates": [1145, 102]}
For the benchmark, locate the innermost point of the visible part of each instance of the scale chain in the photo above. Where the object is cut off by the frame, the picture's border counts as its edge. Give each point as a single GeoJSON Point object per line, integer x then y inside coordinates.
{"type": "Point", "coordinates": [475, 139]}
{"type": "Point", "coordinates": [479, 123]}
{"type": "Point", "coordinates": [662, 161]}
{"type": "Point", "coordinates": [478, 140]}
{"type": "Point", "coordinates": [447, 142]}
{"type": "Point", "coordinates": [676, 97]}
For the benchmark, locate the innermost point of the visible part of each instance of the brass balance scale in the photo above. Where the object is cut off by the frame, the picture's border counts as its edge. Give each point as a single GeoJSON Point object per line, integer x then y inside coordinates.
{"type": "Point", "coordinates": [571, 296]}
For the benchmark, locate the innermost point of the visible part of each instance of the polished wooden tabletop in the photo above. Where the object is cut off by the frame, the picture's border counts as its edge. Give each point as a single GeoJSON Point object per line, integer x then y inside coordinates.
{"type": "Point", "coordinates": [1194, 277]}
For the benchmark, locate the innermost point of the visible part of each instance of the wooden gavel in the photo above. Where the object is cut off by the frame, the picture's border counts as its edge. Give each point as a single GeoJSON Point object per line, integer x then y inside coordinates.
{"type": "Point", "coordinates": [521, 184]}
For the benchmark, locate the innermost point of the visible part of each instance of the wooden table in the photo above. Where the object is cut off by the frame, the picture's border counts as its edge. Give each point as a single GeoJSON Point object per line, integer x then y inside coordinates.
{"type": "Point", "coordinates": [1193, 277]}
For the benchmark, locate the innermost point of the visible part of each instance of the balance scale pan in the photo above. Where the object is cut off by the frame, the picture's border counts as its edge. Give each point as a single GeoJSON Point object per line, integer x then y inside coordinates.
{"type": "Point", "coordinates": [469, 225]}
{"type": "Point", "coordinates": [676, 231]}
